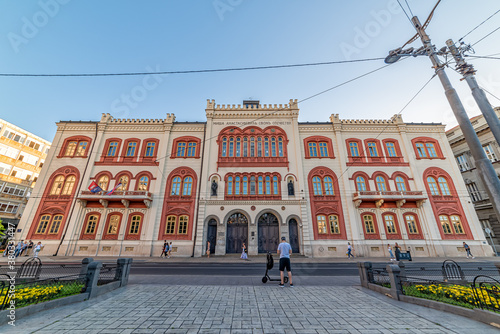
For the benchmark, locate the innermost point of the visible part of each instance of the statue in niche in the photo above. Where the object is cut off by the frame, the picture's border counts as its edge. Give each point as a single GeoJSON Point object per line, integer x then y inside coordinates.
{"type": "Point", "coordinates": [214, 188]}
{"type": "Point", "coordinates": [291, 191]}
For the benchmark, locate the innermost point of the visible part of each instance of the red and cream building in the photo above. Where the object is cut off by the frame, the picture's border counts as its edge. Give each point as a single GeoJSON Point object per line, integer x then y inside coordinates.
{"type": "Point", "coordinates": [251, 173]}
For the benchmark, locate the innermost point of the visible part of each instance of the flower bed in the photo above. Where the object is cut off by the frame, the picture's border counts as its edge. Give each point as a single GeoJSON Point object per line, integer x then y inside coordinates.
{"type": "Point", "coordinates": [454, 294]}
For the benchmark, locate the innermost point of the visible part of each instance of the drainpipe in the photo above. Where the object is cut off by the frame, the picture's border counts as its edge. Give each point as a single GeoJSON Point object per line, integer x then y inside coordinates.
{"type": "Point", "coordinates": [199, 190]}
{"type": "Point", "coordinates": [78, 191]}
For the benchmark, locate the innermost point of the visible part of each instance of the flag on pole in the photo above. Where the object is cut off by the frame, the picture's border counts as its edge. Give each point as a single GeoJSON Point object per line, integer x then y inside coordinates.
{"type": "Point", "coordinates": [94, 187]}
{"type": "Point", "coordinates": [113, 190]}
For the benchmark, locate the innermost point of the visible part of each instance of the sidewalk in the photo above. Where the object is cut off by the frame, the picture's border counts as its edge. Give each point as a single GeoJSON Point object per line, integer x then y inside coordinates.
{"type": "Point", "coordinates": [245, 309]}
{"type": "Point", "coordinates": [236, 258]}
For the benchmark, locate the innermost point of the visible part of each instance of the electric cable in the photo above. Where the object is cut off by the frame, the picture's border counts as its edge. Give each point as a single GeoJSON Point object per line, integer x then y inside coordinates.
{"type": "Point", "coordinates": [486, 36]}
{"type": "Point", "coordinates": [480, 24]}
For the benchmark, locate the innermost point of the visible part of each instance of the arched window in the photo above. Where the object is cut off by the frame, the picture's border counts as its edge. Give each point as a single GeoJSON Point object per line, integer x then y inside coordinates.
{"type": "Point", "coordinates": [70, 149]}
{"type": "Point", "coordinates": [369, 224]}
{"type": "Point", "coordinates": [245, 185]}
{"type": "Point", "coordinates": [259, 147]}
{"type": "Point", "coordinates": [268, 185]}
{"type": "Point", "coordinates": [91, 224]}
{"type": "Point", "coordinates": [114, 221]}
{"type": "Point", "coordinates": [313, 150]}
{"type": "Point", "coordinates": [389, 224]}
{"type": "Point", "coordinates": [231, 146]}
{"type": "Point", "coordinates": [275, 185]}
{"type": "Point", "coordinates": [191, 149]}
{"type": "Point", "coordinates": [252, 147]}
{"type": "Point", "coordinates": [317, 186]}
{"type": "Point", "coordinates": [372, 149]}
{"type": "Point", "coordinates": [103, 182]}
{"type": "Point", "coordinates": [321, 224]}
{"type": "Point", "coordinates": [400, 184]}
{"type": "Point", "coordinates": [57, 185]}
{"type": "Point", "coordinates": [230, 185]}
{"type": "Point", "coordinates": [124, 183]}
{"type": "Point", "coordinates": [443, 185]}
{"type": "Point", "coordinates": [181, 149]}
{"type": "Point", "coordinates": [68, 185]}
{"type": "Point", "coordinates": [323, 149]}
{"type": "Point", "coordinates": [170, 226]}
{"type": "Point", "coordinates": [381, 186]}
{"type": "Point", "coordinates": [237, 185]}
{"type": "Point", "coordinates": [143, 183]}
{"type": "Point", "coordinates": [431, 182]}
{"type": "Point", "coordinates": [252, 185]}
{"type": "Point", "coordinates": [188, 183]}
{"type": "Point", "coordinates": [353, 147]}
{"type": "Point", "coordinates": [391, 150]}
{"type": "Point", "coordinates": [445, 223]}
{"type": "Point", "coordinates": [224, 147]}
{"type": "Point", "coordinates": [431, 150]}
{"type": "Point", "coordinates": [183, 224]}
{"type": "Point", "coordinates": [245, 147]}
{"type": "Point", "coordinates": [261, 185]}
{"type": "Point", "coordinates": [280, 146]}
{"type": "Point", "coordinates": [42, 225]}
{"type": "Point", "coordinates": [56, 223]}
{"type": "Point", "coordinates": [238, 147]}
{"type": "Point", "coordinates": [412, 224]}
{"type": "Point", "coordinates": [273, 146]}
{"type": "Point", "coordinates": [113, 146]}
{"type": "Point", "coordinates": [328, 183]}
{"type": "Point", "coordinates": [421, 150]}
{"type": "Point", "coordinates": [135, 223]}
{"type": "Point", "coordinates": [457, 224]}
{"type": "Point", "coordinates": [334, 224]}
{"type": "Point", "coordinates": [82, 147]}
{"type": "Point", "coordinates": [176, 186]}
{"type": "Point", "coordinates": [361, 183]}
{"type": "Point", "coordinates": [131, 147]}
{"type": "Point", "coordinates": [150, 149]}
{"type": "Point", "coordinates": [266, 146]}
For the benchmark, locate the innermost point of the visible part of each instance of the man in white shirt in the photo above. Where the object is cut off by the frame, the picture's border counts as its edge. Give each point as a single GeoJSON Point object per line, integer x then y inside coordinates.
{"type": "Point", "coordinates": [284, 251]}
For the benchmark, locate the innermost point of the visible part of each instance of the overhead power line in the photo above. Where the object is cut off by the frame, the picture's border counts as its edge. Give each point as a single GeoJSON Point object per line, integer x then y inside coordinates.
{"type": "Point", "coordinates": [480, 24]}
{"type": "Point", "coordinates": [486, 36]}
{"type": "Point", "coordinates": [190, 71]}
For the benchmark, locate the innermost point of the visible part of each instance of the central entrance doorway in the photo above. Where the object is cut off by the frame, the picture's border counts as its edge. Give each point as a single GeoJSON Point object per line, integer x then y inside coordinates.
{"type": "Point", "coordinates": [237, 233]}
{"type": "Point", "coordinates": [212, 234]}
{"type": "Point", "coordinates": [269, 232]}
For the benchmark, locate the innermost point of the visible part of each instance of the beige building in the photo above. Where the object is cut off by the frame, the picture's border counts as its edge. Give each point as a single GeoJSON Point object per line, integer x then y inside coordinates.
{"type": "Point", "coordinates": [22, 155]}
{"type": "Point", "coordinates": [250, 174]}
{"type": "Point", "coordinates": [475, 187]}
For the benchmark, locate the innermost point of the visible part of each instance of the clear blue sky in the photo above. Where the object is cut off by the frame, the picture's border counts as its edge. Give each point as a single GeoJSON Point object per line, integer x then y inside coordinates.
{"type": "Point", "coordinates": [133, 36]}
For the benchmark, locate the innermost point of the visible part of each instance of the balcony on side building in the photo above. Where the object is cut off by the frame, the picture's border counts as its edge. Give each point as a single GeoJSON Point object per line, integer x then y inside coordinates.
{"type": "Point", "coordinates": [381, 197]}
{"type": "Point", "coordinates": [118, 199]}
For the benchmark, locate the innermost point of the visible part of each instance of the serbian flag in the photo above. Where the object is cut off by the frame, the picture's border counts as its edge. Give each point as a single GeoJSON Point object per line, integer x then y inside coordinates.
{"type": "Point", "coordinates": [113, 190]}
{"type": "Point", "coordinates": [94, 187]}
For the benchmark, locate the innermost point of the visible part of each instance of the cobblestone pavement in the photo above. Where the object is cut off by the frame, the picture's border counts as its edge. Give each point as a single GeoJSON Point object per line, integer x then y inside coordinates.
{"type": "Point", "coordinates": [249, 309]}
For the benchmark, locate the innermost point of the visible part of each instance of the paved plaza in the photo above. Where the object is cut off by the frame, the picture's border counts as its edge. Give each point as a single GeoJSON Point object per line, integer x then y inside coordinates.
{"type": "Point", "coordinates": [159, 308]}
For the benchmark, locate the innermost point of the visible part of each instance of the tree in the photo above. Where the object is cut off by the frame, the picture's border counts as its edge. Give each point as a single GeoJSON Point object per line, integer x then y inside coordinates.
{"type": "Point", "coordinates": [2, 229]}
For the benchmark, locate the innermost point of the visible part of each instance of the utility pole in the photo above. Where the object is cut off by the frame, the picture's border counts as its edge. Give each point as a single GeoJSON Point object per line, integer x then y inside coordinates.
{"type": "Point", "coordinates": [483, 164]}
{"type": "Point", "coordinates": [468, 72]}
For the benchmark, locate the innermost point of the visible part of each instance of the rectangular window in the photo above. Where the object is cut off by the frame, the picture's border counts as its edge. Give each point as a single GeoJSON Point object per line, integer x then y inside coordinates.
{"type": "Point", "coordinates": [135, 224]}
{"type": "Point", "coordinates": [391, 150]}
{"type": "Point", "coordinates": [372, 149]}
{"type": "Point", "coordinates": [150, 149]}
{"type": "Point", "coordinates": [321, 224]}
{"type": "Point", "coordinates": [82, 147]}
{"type": "Point", "coordinates": [463, 164]}
{"type": "Point", "coordinates": [191, 149]}
{"type": "Point", "coordinates": [181, 149]}
{"type": "Point", "coordinates": [389, 223]}
{"type": "Point", "coordinates": [488, 149]}
{"type": "Point", "coordinates": [354, 149]}
{"type": "Point", "coordinates": [334, 224]}
{"type": "Point", "coordinates": [56, 223]}
{"type": "Point", "coordinates": [445, 223]}
{"type": "Point", "coordinates": [369, 226]}
{"type": "Point", "coordinates": [421, 150]}
{"type": "Point", "coordinates": [170, 227]}
{"type": "Point", "coordinates": [475, 195]}
{"type": "Point", "coordinates": [183, 224]}
{"type": "Point", "coordinates": [431, 150]}
{"type": "Point", "coordinates": [91, 225]}
{"type": "Point", "coordinates": [323, 149]}
{"type": "Point", "coordinates": [131, 149]}
{"type": "Point", "coordinates": [112, 149]}
{"type": "Point", "coordinates": [313, 152]}
{"type": "Point", "coordinates": [42, 226]}
{"type": "Point", "coordinates": [412, 224]}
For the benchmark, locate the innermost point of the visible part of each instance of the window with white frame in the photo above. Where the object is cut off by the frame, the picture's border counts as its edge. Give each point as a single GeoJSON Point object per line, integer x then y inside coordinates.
{"type": "Point", "coordinates": [9, 151]}
{"type": "Point", "coordinates": [5, 169]}
{"type": "Point", "coordinates": [8, 207]}
{"type": "Point", "coordinates": [463, 164]}
{"type": "Point", "coordinates": [14, 190]}
{"type": "Point", "coordinates": [488, 149]}
{"type": "Point", "coordinates": [14, 136]}
{"type": "Point", "coordinates": [474, 193]}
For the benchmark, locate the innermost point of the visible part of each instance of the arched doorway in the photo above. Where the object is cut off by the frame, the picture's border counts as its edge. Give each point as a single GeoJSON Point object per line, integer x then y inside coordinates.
{"type": "Point", "coordinates": [236, 233]}
{"type": "Point", "coordinates": [212, 234]}
{"type": "Point", "coordinates": [269, 232]}
{"type": "Point", "coordinates": [293, 230]}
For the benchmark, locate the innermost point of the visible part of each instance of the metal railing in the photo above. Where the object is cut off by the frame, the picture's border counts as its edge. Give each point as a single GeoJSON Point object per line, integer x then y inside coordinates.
{"type": "Point", "coordinates": [109, 273]}
{"type": "Point", "coordinates": [487, 293]}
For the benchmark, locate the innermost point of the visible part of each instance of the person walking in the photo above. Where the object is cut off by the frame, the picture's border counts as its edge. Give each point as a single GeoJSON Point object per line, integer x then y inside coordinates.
{"type": "Point", "coordinates": [163, 249]}
{"type": "Point", "coordinates": [284, 251]}
{"type": "Point", "coordinates": [38, 248]}
{"type": "Point", "coordinates": [244, 252]}
{"type": "Point", "coordinates": [389, 249]}
{"type": "Point", "coordinates": [208, 249]}
{"type": "Point", "coordinates": [167, 250]}
{"type": "Point", "coordinates": [467, 249]}
{"type": "Point", "coordinates": [170, 250]}
{"type": "Point", "coordinates": [350, 249]}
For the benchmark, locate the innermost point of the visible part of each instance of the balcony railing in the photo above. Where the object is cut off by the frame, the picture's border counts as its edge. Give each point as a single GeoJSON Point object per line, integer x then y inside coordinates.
{"type": "Point", "coordinates": [125, 197]}
{"type": "Point", "coordinates": [14, 179]}
{"type": "Point", "coordinates": [379, 197]}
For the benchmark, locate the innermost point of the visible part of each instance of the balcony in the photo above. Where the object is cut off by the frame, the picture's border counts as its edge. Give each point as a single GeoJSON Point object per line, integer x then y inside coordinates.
{"type": "Point", "coordinates": [379, 197]}
{"type": "Point", "coordinates": [120, 198]}
{"type": "Point", "coordinates": [16, 180]}
{"type": "Point", "coordinates": [19, 163]}
{"type": "Point", "coordinates": [22, 147]}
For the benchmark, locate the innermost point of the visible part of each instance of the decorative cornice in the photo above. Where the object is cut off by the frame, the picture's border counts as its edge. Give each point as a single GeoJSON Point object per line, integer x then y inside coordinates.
{"type": "Point", "coordinates": [252, 202]}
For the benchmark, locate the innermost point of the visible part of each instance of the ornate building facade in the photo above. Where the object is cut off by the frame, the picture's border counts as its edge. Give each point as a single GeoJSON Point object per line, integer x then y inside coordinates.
{"type": "Point", "coordinates": [250, 174]}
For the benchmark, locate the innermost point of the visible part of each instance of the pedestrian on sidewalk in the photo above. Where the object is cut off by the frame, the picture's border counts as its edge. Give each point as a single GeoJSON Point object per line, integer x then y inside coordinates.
{"type": "Point", "coordinates": [170, 250]}
{"type": "Point", "coordinates": [38, 248]}
{"type": "Point", "coordinates": [244, 255]}
{"type": "Point", "coordinates": [18, 248]}
{"type": "Point", "coordinates": [208, 249]}
{"type": "Point", "coordinates": [30, 248]}
{"type": "Point", "coordinates": [397, 251]}
{"type": "Point", "coordinates": [467, 249]}
{"type": "Point", "coordinates": [284, 251]}
{"type": "Point", "coordinates": [350, 249]}
{"type": "Point", "coordinates": [163, 249]}
{"type": "Point", "coordinates": [167, 250]}
{"type": "Point", "coordinates": [389, 248]}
